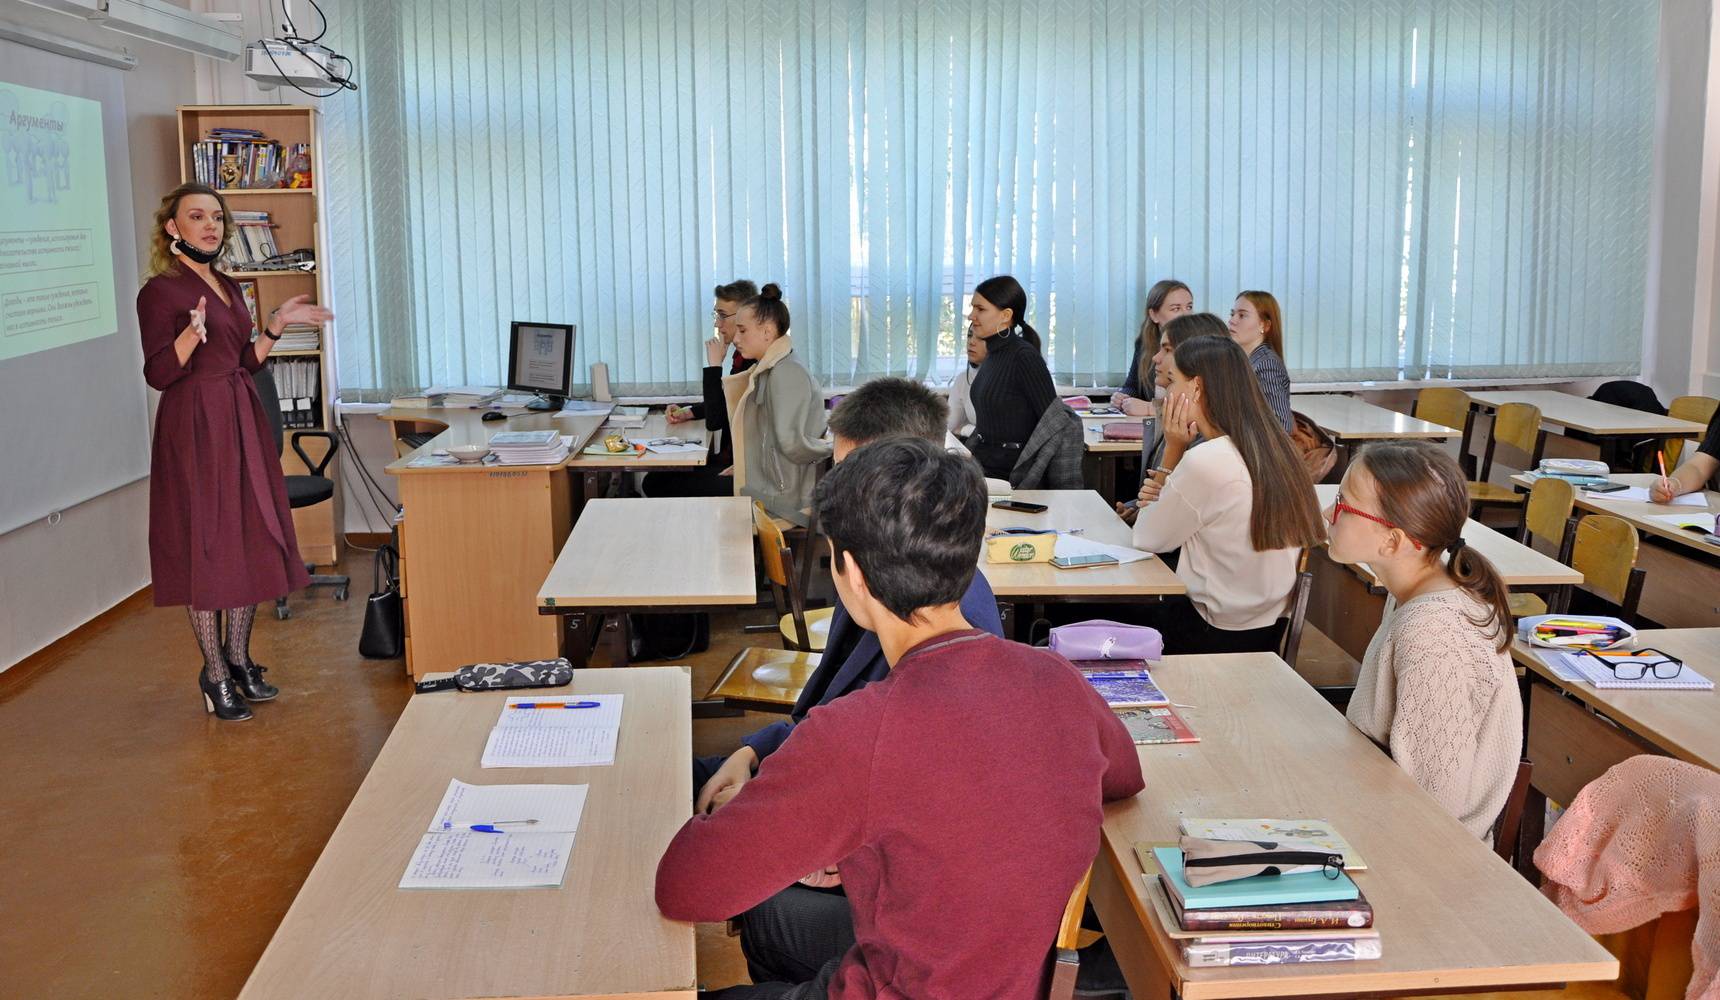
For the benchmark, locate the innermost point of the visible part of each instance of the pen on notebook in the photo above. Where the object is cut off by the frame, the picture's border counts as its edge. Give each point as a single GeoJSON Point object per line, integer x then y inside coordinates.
{"type": "Point", "coordinates": [490, 827]}
{"type": "Point", "coordinates": [557, 704]}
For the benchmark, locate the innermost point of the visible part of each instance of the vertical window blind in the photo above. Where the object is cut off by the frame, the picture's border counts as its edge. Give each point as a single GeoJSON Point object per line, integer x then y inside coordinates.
{"type": "Point", "coordinates": [1432, 188]}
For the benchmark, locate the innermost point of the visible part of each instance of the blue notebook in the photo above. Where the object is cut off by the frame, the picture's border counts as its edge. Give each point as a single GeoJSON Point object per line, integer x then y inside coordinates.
{"type": "Point", "coordinates": [1251, 893]}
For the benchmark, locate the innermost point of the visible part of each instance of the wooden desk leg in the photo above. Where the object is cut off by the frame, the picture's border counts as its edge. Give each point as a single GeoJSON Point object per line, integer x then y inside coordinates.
{"type": "Point", "coordinates": [1127, 932]}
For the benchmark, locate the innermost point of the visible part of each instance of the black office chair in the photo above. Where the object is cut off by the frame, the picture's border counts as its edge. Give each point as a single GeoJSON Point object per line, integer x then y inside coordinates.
{"type": "Point", "coordinates": [302, 491]}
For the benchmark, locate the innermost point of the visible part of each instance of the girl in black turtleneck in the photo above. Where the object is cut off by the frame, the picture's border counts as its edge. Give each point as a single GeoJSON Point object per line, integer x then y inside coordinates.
{"type": "Point", "coordinates": [1013, 386]}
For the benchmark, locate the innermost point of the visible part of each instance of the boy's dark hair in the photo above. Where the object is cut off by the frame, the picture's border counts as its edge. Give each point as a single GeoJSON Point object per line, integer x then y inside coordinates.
{"type": "Point", "coordinates": [890, 408]}
{"type": "Point", "coordinates": [912, 515]}
{"type": "Point", "coordinates": [738, 290]}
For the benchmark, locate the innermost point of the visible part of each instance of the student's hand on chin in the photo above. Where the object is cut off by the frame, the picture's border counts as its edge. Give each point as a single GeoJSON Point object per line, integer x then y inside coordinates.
{"type": "Point", "coordinates": [714, 351]}
{"type": "Point", "coordinates": [1179, 419]}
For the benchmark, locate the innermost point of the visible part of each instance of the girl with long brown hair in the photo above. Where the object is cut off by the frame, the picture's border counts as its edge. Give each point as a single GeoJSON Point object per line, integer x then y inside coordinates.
{"type": "Point", "coordinates": [1166, 300]}
{"type": "Point", "coordinates": [1436, 689]}
{"type": "Point", "coordinates": [220, 531]}
{"type": "Point", "coordinates": [1239, 504]}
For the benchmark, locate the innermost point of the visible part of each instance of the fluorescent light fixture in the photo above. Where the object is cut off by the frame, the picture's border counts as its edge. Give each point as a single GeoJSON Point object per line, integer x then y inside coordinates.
{"type": "Point", "coordinates": [160, 21]}
{"type": "Point", "coordinates": [157, 21]}
{"type": "Point", "coordinates": [48, 42]}
{"type": "Point", "coordinates": [79, 8]}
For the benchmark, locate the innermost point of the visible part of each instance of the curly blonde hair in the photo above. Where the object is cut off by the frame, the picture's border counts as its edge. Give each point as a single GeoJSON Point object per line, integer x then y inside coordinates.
{"type": "Point", "coordinates": [161, 258]}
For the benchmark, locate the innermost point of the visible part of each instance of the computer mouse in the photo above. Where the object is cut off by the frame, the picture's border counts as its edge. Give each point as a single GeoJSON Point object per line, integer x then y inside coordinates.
{"type": "Point", "coordinates": [495, 415]}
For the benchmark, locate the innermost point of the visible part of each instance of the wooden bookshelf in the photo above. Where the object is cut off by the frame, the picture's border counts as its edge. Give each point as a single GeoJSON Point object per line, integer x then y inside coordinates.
{"type": "Point", "coordinates": [296, 214]}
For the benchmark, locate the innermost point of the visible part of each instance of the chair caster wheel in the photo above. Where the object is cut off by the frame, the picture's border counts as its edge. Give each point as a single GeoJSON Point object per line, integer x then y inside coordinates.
{"type": "Point", "coordinates": [283, 612]}
{"type": "Point", "coordinates": [340, 594]}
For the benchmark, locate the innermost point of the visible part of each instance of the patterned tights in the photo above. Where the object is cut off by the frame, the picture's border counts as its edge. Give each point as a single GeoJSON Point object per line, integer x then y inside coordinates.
{"type": "Point", "coordinates": [207, 626]}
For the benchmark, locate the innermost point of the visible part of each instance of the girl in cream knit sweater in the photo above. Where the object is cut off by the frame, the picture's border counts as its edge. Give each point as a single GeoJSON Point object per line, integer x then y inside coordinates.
{"type": "Point", "coordinates": [1436, 688]}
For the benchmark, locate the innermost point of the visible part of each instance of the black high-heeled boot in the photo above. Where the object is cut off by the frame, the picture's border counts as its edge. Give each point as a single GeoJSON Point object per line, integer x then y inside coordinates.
{"type": "Point", "coordinates": [222, 698]}
{"type": "Point", "coordinates": [248, 679]}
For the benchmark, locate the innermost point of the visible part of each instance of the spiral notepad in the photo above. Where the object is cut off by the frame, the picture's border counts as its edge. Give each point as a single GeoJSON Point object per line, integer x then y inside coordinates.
{"type": "Point", "coordinates": [1573, 664]}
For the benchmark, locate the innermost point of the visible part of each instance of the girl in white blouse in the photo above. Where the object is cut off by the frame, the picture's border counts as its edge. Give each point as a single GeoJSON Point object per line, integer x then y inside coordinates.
{"type": "Point", "coordinates": [1436, 689]}
{"type": "Point", "coordinates": [1239, 503]}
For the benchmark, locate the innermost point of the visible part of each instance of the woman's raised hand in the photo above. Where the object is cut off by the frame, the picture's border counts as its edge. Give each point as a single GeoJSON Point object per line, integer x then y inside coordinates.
{"type": "Point", "coordinates": [198, 319]}
{"type": "Point", "coordinates": [300, 309]}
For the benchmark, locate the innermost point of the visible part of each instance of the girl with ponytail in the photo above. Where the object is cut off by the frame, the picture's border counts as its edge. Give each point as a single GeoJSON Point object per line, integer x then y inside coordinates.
{"type": "Point", "coordinates": [1436, 689]}
{"type": "Point", "coordinates": [1012, 388]}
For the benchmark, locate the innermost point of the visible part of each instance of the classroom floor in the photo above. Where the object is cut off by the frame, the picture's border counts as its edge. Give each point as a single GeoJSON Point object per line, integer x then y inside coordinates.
{"type": "Point", "coordinates": [162, 866]}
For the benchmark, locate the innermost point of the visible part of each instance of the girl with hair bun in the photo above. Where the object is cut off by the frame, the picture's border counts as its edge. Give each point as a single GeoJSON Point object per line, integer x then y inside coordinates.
{"type": "Point", "coordinates": [776, 412]}
{"type": "Point", "coordinates": [1436, 689]}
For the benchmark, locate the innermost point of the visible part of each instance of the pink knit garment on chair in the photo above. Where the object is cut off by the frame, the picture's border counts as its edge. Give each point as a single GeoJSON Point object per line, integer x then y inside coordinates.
{"type": "Point", "coordinates": [1641, 840]}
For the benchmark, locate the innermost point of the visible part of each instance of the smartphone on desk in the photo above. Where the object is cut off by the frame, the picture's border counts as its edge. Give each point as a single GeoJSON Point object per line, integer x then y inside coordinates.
{"type": "Point", "coordinates": [1609, 488]}
{"type": "Point", "coordinates": [1021, 506]}
{"type": "Point", "coordinates": [1083, 562]}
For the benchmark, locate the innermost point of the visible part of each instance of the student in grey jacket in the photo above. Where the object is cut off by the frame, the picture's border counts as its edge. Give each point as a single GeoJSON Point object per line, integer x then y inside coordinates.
{"type": "Point", "coordinates": [776, 412]}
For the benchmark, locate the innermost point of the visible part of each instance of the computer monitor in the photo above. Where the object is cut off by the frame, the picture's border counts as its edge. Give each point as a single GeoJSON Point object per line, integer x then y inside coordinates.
{"type": "Point", "coordinates": [540, 360]}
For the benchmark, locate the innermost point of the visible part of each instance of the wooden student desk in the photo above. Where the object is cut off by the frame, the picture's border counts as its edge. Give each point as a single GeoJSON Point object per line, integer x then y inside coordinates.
{"type": "Point", "coordinates": [1353, 423]}
{"type": "Point", "coordinates": [353, 933]}
{"type": "Point", "coordinates": [1577, 731]}
{"type": "Point", "coordinates": [476, 540]}
{"type": "Point", "coordinates": [1348, 601]}
{"type": "Point", "coordinates": [1682, 585]}
{"type": "Point", "coordinates": [1563, 410]}
{"type": "Point", "coordinates": [643, 555]}
{"type": "Point", "coordinates": [1452, 916]}
{"type": "Point", "coordinates": [1039, 583]}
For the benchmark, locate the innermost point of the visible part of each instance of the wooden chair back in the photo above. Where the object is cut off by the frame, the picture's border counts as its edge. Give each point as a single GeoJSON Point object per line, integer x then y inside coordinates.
{"type": "Point", "coordinates": [779, 569]}
{"type": "Point", "coordinates": [1696, 409]}
{"type": "Point", "coordinates": [1605, 553]}
{"type": "Point", "coordinates": [1516, 425]}
{"type": "Point", "coordinates": [1547, 515]}
{"type": "Point", "coordinates": [1448, 407]}
{"type": "Point", "coordinates": [1297, 616]}
{"type": "Point", "coordinates": [1065, 952]}
{"type": "Point", "coordinates": [1511, 817]}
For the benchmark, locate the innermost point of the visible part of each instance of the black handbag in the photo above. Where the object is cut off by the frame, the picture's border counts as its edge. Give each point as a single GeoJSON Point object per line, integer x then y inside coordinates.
{"type": "Point", "coordinates": [383, 637]}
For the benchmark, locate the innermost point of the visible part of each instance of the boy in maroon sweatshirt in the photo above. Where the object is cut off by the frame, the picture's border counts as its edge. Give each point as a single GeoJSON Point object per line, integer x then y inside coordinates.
{"type": "Point", "coordinates": [959, 797]}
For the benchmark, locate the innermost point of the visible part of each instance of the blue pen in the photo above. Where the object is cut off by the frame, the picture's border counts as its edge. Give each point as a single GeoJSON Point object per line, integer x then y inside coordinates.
{"type": "Point", "coordinates": [489, 827]}
{"type": "Point", "coordinates": [558, 704]}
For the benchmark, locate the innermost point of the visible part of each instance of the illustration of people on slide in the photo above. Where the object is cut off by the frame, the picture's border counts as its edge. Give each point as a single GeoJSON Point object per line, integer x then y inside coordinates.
{"type": "Point", "coordinates": [37, 156]}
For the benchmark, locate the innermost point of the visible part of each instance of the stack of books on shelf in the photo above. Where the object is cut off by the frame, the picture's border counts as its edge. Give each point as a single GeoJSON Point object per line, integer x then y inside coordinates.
{"type": "Point", "coordinates": [1305, 915]}
{"type": "Point", "coordinates": [237, 158]}
{"type": "Point", "coordinates": [297, 384]}
{"type": "Point", "coordinates": [1127, 686]}
{"type": "Point", "coordinates": [299, 337]}
{"type": "Point", "coordinates": [254, 242]}
{"type": "Point", "coordinates": [530, 447]}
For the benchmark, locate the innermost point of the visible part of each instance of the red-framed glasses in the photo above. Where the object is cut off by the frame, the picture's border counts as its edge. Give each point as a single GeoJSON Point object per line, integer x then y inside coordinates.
{"type": "Point", "coordinates": [1339, 507]}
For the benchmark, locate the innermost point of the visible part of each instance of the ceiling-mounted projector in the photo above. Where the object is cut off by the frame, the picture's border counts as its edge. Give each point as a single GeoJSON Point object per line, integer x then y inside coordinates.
{"type": "Point", "coordinates": [272, 63]}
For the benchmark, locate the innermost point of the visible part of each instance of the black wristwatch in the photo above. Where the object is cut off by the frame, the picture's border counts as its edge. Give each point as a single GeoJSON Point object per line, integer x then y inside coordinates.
{"type": "Point", "coordinates": [271, 336]}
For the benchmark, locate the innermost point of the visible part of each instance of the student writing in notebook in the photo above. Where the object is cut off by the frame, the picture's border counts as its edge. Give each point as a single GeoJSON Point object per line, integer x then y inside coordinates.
{"type": "Point", "coordinates": [1436, 688]}
{"type": "Point", "coordinates": [880, 409]}
{"type": "Point", "coordinates": [959, 797]}
{"type": "Point", "coordinates": [1239, 504]}
{"type": "Point", "coordinates": [1699, 471]}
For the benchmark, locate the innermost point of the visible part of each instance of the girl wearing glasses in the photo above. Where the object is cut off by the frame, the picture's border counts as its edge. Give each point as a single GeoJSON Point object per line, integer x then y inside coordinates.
{"type": "Point", "coordinates": [1436, 690]}
{"type": "Point", "coordinates": [1239, 503]}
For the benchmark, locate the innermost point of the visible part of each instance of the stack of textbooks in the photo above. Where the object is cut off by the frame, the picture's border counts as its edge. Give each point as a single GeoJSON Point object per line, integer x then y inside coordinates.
{"type": "Point", "coordinates": [1303, 916]}
{"type": "Point", "coordinates": [255, 242]}
{"type": "Point", "coordinates": [299, 337]}
{"type": "Point", "coordinates": [238, 158]}
{"type": "Point", "coordinates": [530, 447]}
{"type": "Point", "coordinates": [1127, 686]}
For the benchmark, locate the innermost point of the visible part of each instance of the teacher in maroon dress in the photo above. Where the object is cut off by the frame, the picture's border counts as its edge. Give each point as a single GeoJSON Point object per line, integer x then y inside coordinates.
{"type": "Point", "coordinates": [220, 530]}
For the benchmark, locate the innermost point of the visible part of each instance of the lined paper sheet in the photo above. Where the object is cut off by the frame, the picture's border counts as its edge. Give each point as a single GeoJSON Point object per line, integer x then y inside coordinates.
{"type": "Point", "coordinates": [556, 808]}
{"type": "Point", "coordinates": [467, 859]}
{"type": "Point", "coordinates": [555, 737]}
{"type": "Point", "coordinates": [1639, 494]}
